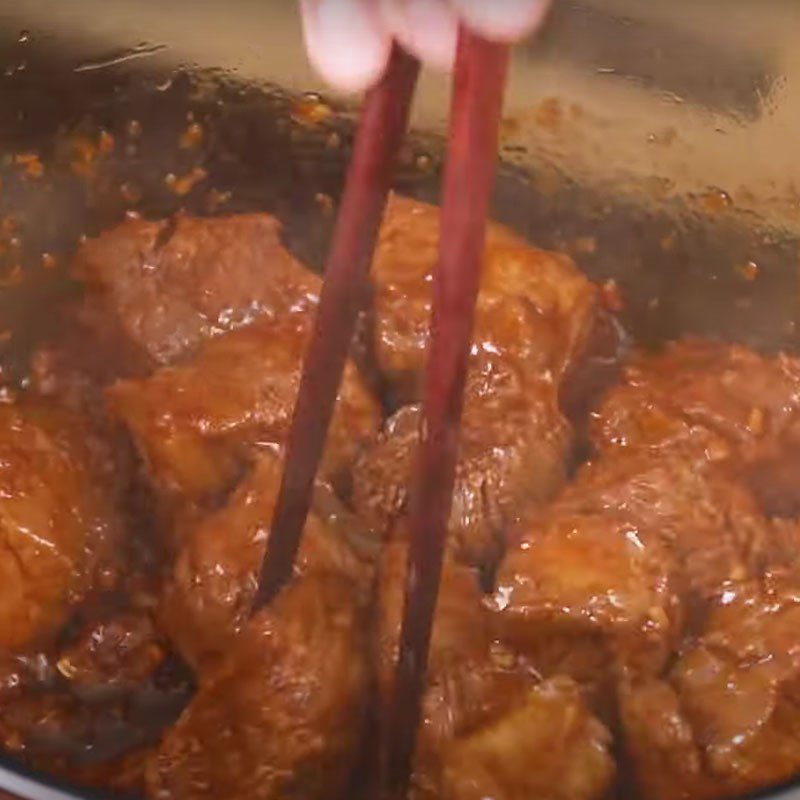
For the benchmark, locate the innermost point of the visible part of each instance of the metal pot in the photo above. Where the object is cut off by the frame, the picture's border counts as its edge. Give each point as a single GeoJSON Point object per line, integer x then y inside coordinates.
{"type": "Point", "coordinates": [649, 141]}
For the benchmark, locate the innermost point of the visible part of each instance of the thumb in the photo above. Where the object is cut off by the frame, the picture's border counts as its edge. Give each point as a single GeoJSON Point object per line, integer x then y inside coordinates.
{"type": "Point", "coordinates": [503, 20]}
{"type": "Point", "coordinates": [346, 41]}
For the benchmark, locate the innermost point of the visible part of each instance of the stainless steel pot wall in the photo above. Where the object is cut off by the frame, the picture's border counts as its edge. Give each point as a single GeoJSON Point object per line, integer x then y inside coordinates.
{"type": "Point", "coordinates": [653, 141]}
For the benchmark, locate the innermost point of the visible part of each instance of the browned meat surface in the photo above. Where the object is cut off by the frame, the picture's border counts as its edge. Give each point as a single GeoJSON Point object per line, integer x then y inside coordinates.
{"type": "Point", "coordinates": [716, 394]}
{"type": "Point", "coordinates": [708, 521]}
{"type": "Point", "coordinates": [485, 715]}
{"type": "Point", "coordinates": [197, 424]}
{"type": "Point", "coordinates": [469, 680]}
{"type": "Point", "coordinates": [725, 719]}
{"type": "Point", "coordinates": [57, 520]}
{"type": "Point", "coordinates": [549, 747]}
{"type": "Point", "coordinates": [155, 291]}
{"type": "Point", "coordinates": [514, 450]}
{"type": "Point", "coordinates": [209, 597]}
{"type": "Point", "coordinates": [282, 716]}
{"type": "Point", "coordinates": [535, 319]}
{"type": "Point", "coordinates": [723, 402]}
{"type": "Point", "coordinates": [535, 308]}
{"type": "Point", "coordinates": [588, 595]}
{"type": "Point", "coordinates": [170, 285]}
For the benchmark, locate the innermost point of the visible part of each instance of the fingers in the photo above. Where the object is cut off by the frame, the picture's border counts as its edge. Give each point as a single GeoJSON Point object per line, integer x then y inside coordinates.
{"type": "Point", "coordinates": [349, 41]}
{"type": "Point", "coordinates": [503, 20]}
{"type": "Point", "coordinates": [346, 41]}
{"type": "Point", "coordinates": [426, 28]}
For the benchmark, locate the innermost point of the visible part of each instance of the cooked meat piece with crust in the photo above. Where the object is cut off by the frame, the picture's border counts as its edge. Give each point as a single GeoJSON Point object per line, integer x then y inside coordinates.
{"type": "Point", "coordinates": [170, 285]}
{"type": "Point", "coordinates": [58, 524]}
{"type": "Point", "coordinates": [535, 308]}
{"type": "Point", "coordinates": [482, 698]}
{"type": "Point", "coordinates": [720, 401]}
{"type": "Point", "coordinates": [209, 596]}
{"type": "Point", "coordinates": [716, 394]}
{"type": "Point", "coordinates": [513, 453]}
{"type": "Point", "coordinates": [282, 716]}
{"type": "Point", "coordinates": [549, 748]}
{"type": "Point", "coordinates": [588, 595]}
{"type": "Point", "coordinates": [196, 424]}
{"type": "Point", "coordinates": [707, 520]}
{"type": "Point", "coordinates": [469, 679]}
{"type": "Point", "coordinates": [725, 720]}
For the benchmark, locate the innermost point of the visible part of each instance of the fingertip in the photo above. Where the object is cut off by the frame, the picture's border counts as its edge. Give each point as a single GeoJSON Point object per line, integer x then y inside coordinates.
{"type": "Point", "coordinates": [346, 42]}
{"type": "Point", "coordinates": [426, 28]}
{"type": "Point", "coordinates": [503, 20]}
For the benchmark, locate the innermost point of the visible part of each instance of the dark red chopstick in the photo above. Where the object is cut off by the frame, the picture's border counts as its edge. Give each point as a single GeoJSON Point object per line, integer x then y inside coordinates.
{"type": "Point", "coordinates": [481, 70]}
{"type": "Point", "coordinates": [380, 133]}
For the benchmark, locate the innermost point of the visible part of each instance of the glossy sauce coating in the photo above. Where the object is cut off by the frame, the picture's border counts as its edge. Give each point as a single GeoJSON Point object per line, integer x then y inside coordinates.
{"type": "Point", "coordinates": [643, 603]}
{"type": "Point", "coordinates": [198, 423]}
{"type": "Point", "coordinates": [58, 525]}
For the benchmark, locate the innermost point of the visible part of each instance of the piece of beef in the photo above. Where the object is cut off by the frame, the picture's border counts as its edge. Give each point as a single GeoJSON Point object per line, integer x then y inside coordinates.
{"type": "Point", "coordinates": [155, 291]}
{"type": "Point", "coordinates": [513, 453]}
{"type": "Point", "coordinates": [707, 520]}
{"type": "Point", "coordinates": [549, 747]}
{"type": "Point", "coordinates": [534, 308]}
{"type": "Point", "coordinates": [210, 594]}
{"type": "Point", "coordinates": [171, 285]}
{"type": "Point", "coordinates": [469, 680]}
{"type": "Point", "coordinates": [719, 394]}
{"type": "Point", "coordinates": [197, 424]}
{"type": "Point", "coordinates": [58, 521]}
{"type": "Point", "coordinates": [283, 714]}
{"type": "Point", "coordinates": [725, 719]}
{"type": "Point", "coordinates": [723, 402]}
{"type": "Point", "coordinates": [485, 715]}
{"type": "Point", "coordinates": [590, 596]}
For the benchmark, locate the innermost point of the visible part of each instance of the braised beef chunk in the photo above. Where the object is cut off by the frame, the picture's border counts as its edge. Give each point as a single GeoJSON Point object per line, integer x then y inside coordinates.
{"type": "Point", "coordinates": [725, 719]}
{"type": "Point", "coordinates": [57, 519]}
{"type": "Point", "coordinates": [209, 596]}
{"type": "Point", "coordinates": [486, 716]}
{"type": "Point", "coordinates": [173, 284]}
{"type": "Point", "coordinates": [589, 596]}
{"type": "Point", "coordinates": [282, 715]}
{"type": "Point", "coordinates": [549, 746]}
{"type": "Point", "coordinates": [535, 308]}
{"type": "Point", "coordinates": [514, 451]}
{"type": "Point", "coordinates": [708, 521]}
{"type": "Point", "coordinates": [535, 319]}
{"type": "Point", "coordinates": [197, 424]}
{"type": "Point", "coordinates": [725, 402]}
{"type": "Point", "coordinates": [468, 679]}
{"type": "Point", "coordinates": [721, 394]}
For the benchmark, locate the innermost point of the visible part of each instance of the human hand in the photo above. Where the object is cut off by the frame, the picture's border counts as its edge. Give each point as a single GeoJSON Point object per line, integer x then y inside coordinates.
{"type": "Point", "coordinates": [349, 41]}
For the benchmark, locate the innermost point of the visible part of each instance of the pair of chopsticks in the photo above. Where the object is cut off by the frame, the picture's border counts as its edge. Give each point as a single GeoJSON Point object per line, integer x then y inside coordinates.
{"type": "Point", "coordinates": [479, 83]}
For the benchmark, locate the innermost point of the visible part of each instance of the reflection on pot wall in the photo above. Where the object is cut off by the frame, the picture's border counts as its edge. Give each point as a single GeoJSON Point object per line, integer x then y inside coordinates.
{"type": "Point", "coordinates": [675, 97]}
